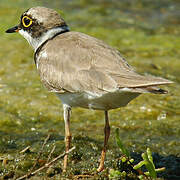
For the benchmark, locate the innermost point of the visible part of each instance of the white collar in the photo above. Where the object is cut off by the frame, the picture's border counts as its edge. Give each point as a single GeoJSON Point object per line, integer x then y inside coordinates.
{"type": "Point", "coordinates": [37, 42]}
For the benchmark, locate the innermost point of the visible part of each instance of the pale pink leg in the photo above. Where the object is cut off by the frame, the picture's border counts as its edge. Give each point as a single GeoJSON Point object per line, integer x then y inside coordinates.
{"type": "Point", "coordinates": [106, 137]}
{"type": "Point", "coordinates": [67, 111]}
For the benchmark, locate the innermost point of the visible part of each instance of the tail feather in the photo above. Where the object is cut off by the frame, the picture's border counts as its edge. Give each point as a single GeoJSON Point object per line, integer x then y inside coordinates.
{"type": "Point", "coordinates": [156, 90]}
{"type": "Point", "coordinates": [148, 89]}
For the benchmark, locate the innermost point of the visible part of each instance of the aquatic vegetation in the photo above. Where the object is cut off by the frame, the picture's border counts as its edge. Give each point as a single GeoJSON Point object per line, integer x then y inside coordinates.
{"type": "Point", "coordinates": [147, 33]}
{"type": "Point", "coordinates": [127, 166]}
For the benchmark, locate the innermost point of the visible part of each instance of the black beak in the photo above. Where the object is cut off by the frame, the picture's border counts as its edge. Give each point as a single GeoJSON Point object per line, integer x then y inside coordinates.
{"type": "Point", "coordinates": [13, 29]}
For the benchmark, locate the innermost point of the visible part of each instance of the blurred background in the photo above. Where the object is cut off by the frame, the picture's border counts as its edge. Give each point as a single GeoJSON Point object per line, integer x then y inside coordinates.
{"type": "Point", "coordinates": [146, 32]}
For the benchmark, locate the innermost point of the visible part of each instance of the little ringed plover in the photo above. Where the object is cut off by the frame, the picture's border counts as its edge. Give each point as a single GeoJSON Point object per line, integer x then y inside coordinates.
{"type": "Point", "coordinates": [82, 70]}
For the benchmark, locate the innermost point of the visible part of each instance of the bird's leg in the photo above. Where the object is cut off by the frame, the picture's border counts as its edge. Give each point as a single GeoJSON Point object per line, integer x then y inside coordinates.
{"type": "Point", "coordinates": [106, 137]}
{"type": "Point", "coordinates": [67, 111]}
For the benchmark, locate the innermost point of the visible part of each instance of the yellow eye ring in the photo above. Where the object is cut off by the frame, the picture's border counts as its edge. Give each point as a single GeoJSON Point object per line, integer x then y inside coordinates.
{"type": "Point", "coordinates": [26, 21]}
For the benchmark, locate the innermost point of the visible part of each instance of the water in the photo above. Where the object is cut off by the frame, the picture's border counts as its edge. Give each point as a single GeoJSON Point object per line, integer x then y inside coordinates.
{"type": "Point", "coordinates": [145, 32]}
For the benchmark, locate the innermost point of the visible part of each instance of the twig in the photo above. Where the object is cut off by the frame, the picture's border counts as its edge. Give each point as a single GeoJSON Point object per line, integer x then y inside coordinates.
{"type": "Point", "coordinates": [46, 165]}
{"type": "Point", "coordinates": [49, 157]}
{"type": "Point", "coordinates": [40, 152]}
{"type": "Point", "coordinates": [82, 176]}
{"type": "Point", "coordinates": [25, 150]}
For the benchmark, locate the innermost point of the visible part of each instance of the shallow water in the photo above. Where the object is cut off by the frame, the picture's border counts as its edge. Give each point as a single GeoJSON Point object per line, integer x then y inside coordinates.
{"type": "Point", "coordinates": [147, 33]}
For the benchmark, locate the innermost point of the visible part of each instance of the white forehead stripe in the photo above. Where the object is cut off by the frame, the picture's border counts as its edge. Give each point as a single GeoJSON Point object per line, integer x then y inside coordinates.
{"type": "Point", "coordinates": [33, 12]}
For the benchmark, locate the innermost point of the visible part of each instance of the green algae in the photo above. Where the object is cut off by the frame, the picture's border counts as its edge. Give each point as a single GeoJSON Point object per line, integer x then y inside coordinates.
{"type": "Point", "coordinates": [150, 42]}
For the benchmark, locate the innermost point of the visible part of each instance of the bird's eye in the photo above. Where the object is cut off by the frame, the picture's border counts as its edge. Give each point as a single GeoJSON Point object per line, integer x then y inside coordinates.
{"type": "Point", "coordinates": [26, 21]}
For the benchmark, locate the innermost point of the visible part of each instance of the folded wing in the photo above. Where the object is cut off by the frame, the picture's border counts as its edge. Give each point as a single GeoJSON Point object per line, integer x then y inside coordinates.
{"type": "Point", "coordinates": [86, 64]}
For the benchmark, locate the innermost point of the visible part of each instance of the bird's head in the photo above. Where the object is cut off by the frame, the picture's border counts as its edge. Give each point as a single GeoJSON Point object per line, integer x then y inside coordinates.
{"type": "Point", "coordinates": [39, 24]}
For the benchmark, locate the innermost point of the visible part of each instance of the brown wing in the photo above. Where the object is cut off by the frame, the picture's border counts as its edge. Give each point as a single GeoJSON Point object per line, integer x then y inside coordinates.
{"type": "Point", "coordinates": [76, 62]}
